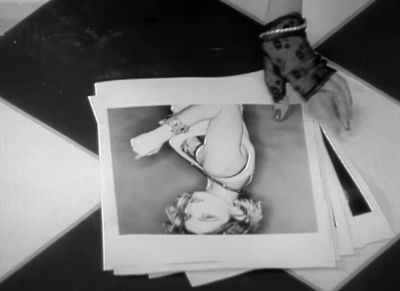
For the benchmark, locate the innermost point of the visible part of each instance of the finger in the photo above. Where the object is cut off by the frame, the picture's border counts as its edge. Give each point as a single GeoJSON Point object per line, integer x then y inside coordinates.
{"type": "Point", "coordinates": [281, 108]}
{"type": "Point", "coordinates": [153, 152]}
{"type": "Point", "coordinates": [135, 153]}
{"type": "Point", "coordinates": [343, 86]}
{"type": "Point", "coordinates": [137, 156]}
{"type": "Point", "coordinates": [342, 110]}
{"type": "Point", "coordinates": [343, 107]}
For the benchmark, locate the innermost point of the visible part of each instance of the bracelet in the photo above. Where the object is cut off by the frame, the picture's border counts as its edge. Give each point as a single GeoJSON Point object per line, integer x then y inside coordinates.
{"type": "Point", "coordinates": [284, 30]}
{"type": "Point", "coordinates": [175, 124]}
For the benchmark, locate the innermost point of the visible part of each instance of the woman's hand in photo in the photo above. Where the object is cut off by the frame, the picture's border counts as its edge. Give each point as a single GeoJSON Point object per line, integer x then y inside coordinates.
{"type": "Point", "coordinates": [146, 144]}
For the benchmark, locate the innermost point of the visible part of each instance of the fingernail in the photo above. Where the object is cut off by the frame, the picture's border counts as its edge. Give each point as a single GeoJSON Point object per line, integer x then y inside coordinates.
{"type": "Point", "coordinates": [278, 114]}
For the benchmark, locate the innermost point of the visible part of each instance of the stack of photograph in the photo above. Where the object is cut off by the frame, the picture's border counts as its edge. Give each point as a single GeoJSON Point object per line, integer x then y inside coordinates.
{"type": "Point", "coordinates": [198, 177]}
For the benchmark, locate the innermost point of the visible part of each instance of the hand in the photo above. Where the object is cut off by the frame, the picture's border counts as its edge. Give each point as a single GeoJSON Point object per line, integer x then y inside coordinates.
{"type": "Point", "coordinates": [146, 144]}
{"type": "Point", "coordinates": [332, 101]}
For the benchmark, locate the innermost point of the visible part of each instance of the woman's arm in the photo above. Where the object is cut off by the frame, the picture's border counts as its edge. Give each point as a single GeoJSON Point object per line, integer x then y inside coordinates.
{"type": "Point", "coordinates": [188, 117]}
{"type": "Point", "coordinates": [150, 142]}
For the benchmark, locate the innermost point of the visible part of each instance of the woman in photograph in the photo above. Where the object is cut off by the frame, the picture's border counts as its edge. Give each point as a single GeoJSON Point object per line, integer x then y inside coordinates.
{"type": "Point", "coordinates": [214, 140]}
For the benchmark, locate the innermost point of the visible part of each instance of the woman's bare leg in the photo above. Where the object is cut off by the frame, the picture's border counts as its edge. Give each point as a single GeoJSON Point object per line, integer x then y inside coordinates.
{"type": "Point", "coordinates": [223, 155]}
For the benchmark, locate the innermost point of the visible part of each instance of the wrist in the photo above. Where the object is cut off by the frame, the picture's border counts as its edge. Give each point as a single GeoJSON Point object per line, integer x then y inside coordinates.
{"type": "Point", "coordinates": [164, 132]}
{"type": "Point", "coordinates": [174, 125]}
{"type": "Point", "coordinates": [309, 84]}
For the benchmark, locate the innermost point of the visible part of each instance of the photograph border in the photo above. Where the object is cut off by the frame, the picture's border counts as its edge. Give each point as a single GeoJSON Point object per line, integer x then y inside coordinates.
{"type": "Point", "coordinates": [280, 250]}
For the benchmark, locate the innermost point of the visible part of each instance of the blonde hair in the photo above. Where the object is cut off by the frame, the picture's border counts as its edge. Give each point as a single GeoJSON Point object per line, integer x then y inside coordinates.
{"type": "Point", "coordinates": [249, 222]}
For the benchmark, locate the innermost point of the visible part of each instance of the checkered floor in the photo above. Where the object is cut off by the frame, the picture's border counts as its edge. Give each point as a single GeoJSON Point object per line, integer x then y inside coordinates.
{"type": "Point", "coordinates": [49, 62]}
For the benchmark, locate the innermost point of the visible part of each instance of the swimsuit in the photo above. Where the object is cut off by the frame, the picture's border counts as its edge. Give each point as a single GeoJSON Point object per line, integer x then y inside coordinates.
{"type": "Point", "coordinates": [235, 182]}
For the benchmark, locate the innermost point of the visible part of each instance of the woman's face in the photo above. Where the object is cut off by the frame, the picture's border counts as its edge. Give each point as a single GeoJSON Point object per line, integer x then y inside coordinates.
{"type": "Point", "coordinates": [206, 213]}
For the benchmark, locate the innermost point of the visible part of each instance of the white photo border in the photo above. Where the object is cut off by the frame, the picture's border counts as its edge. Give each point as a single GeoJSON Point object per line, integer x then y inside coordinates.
{"type": "Point", "coordinates": [279, 250]}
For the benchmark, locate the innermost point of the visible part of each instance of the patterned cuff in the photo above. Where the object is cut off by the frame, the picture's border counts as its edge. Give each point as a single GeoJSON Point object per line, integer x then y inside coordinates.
{"type": "Point", "coordinates": [310, 76]}
{"type": "Point", "coordinates": [291, 57]}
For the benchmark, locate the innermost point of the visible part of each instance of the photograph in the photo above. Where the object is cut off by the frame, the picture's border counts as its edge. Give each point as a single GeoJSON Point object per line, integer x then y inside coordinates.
{"type": "Point", "coordinates": [210, 169]}
{"type": "Point", "coordinates": [206, 158]}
